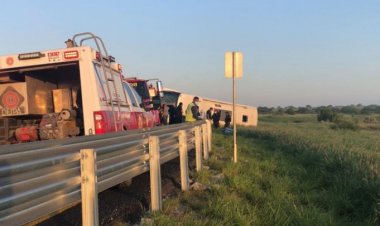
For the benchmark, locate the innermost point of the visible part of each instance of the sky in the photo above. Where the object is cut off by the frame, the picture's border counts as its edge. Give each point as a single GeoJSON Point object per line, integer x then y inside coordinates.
{"type": "Point", "coordinates": [296, 52]}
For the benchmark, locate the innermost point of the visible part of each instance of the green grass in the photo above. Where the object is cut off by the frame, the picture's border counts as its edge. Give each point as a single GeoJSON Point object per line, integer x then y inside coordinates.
{"type": "Point", "coordinates": [289, 173]}
{"type": "Point", "coordinates": [285, 118]}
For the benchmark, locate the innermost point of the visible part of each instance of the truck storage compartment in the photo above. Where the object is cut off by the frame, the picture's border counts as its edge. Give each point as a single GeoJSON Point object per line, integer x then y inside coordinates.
{"type": "Point", "coordinates": [32, 97]}
{"type": "Point", "coordinates": [36, 96]}
{"type": "Point", "coordinates": [29, 91]}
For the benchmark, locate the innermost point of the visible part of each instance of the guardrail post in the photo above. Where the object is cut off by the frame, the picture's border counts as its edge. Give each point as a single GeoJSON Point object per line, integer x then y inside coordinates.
{"type": "Point", "coordinates": [209, 134]}
{"type": "Point", "coordinates": [89, 188]}
{"type": "Point", "coordinates": [183, 160]}
{"type": "Point", "coordinates": [155, 173]}
{"type": "Point", "coordinates": [204, 141]}
{"type": "Point", "coordinates": [198, 148]}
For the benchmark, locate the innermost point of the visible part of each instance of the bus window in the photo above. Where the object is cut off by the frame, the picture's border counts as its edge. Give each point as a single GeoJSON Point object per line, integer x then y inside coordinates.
{"type": "Point", "coordinates": [170, 98]}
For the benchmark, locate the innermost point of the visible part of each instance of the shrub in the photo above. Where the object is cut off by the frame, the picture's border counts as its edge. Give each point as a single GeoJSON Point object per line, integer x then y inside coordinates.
{"type": "Point", "coordinates": [345, 123]}
{"type": "Point", "coordinates": [370, 120]}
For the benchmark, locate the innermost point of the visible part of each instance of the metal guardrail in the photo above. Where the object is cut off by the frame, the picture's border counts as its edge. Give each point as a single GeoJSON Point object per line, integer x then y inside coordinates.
{"type": "Point", "coordinates": [41, 178]}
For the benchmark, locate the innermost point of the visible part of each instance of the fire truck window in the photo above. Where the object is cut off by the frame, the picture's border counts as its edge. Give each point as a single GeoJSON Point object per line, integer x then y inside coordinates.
{"type": "Point", "coordinates": [138, 97]}
{"type": "Point", "coordinates": [130, 95]}
{"type": "Point", "coordinates": [245, 118]}
{"type": "Point", "coordinates": [142, 90]}
{"type": "Point", "coordinates": [100, 81]}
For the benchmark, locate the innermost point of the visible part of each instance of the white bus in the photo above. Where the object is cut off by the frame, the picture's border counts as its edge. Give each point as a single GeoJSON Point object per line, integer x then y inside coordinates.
{"type": "Point", "coordinates": [246, 115]}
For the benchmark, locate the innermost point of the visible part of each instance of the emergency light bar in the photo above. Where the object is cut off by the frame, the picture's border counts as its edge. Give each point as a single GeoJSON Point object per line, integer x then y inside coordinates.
{"type": "Point", "coordinates": [28, 56]}
{"type": "Point", "coordinates": [68, 55]}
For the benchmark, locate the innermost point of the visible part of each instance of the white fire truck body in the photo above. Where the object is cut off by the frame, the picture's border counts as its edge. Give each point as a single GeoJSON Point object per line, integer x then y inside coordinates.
{"type": "Point", "coordinates": [76, 84]}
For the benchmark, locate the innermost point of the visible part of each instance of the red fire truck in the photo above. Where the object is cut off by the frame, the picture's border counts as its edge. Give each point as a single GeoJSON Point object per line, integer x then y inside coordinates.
{"type": "Point", "coordinates": [60, 93]}
{"type": "Point", "coordinates": [150, 94]}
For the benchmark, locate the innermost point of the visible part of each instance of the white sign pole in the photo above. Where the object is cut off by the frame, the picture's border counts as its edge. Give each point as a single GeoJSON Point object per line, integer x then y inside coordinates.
{"type": "Point", "coordinates": [234, 69]}
{"type": "Point", "coordinates": [234, 104]}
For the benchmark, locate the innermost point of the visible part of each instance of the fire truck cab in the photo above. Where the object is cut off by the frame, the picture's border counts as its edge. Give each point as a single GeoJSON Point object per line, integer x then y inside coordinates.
{"type": "Point", "coordinates": [150, 93]}
{"type": "Point", "coordinates": [78, 90]}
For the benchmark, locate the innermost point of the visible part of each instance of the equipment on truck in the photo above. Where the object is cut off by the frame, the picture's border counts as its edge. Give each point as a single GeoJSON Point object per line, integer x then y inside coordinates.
{"type": "Point", "coordinates": [78, 90]}
{"type": "Point", "coordinates": [59, 125]}
{"type": "Point", "coordinates": [26, 133]}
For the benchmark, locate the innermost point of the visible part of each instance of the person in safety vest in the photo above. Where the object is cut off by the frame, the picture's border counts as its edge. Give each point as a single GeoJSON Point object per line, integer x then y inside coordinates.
{"type": "Point", "coordinates": [192, 111]}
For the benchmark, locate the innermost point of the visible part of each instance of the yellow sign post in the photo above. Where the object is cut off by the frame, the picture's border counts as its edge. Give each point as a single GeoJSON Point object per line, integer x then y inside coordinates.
{"type": "Point", "coordinates": [234, 69]}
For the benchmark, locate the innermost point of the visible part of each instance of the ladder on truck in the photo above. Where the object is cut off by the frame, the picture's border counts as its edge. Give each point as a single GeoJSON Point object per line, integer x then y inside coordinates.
{"type": "Point", "coordinates": [109, 78]}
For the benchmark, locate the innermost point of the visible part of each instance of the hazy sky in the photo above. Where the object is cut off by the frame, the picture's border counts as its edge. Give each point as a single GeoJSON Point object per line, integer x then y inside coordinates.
{"type": "Point", "coordinates": [296, 52]}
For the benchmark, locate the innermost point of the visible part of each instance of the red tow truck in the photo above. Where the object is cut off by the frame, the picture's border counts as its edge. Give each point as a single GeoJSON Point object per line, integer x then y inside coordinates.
{"type": "Point", "coordinates": [150, 94]}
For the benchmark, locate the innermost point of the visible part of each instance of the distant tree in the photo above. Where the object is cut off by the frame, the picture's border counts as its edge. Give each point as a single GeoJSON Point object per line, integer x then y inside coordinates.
{"type": "Point", "coordinates": [302, 110]}
{"type": "Point", "coordinates": [264, 110]}
{"type": "Point", "coordinates": [290, 110]}
{"type": "Point", "coordinates": [305, 110]}
{"type": "Point", "coordinates": [318, 109]}
{"type": "Point", "coordinates": [327, 114]}
{"type": "Point", "coordinates": [350, 109]}
{"type": "Point", "coordinates": [279, 110]}
{"type": "Point", "coordinates": [370, 109]}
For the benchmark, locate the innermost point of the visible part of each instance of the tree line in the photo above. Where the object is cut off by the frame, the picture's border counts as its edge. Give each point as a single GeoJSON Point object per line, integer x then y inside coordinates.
{"type": "Point", "coordinates": [308, 109]}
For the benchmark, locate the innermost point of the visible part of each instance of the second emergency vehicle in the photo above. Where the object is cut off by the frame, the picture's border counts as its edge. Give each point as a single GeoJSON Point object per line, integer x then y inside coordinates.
{"type": "Point", "coordinates": [150, 94]}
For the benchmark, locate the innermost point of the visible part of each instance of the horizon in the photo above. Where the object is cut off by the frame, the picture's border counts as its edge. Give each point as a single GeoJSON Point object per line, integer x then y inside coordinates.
{"type": "Point", "coordinates": [295, 53]}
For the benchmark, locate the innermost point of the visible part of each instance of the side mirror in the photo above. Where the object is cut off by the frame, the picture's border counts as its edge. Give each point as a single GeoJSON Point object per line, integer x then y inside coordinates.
{"type": "Point", "coordinates": [160, 88]}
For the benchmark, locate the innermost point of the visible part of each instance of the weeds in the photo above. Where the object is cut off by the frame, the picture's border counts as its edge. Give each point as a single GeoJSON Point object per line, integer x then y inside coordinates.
{"type": "Point", "coordinates": [289, 173]}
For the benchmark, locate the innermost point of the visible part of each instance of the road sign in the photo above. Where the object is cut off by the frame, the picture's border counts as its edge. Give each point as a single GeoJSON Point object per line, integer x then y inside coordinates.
{"type": "Point", "coordinates": [233, 64]}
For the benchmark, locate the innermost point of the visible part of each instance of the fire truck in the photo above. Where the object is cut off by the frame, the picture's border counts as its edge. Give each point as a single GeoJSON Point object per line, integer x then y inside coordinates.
{"type": "Point", "coordinates": [150, 94]}
{"type": "Point", "coordinates": [61, 93]}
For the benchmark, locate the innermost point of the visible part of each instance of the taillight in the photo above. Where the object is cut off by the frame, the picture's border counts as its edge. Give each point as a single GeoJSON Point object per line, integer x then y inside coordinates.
{"type": "Point", "coordinates": [99, 123]}
{"type": "Point", "coordinates": [98, 117]}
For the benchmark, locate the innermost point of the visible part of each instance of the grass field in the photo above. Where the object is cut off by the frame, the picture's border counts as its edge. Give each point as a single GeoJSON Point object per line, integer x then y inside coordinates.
{"type": "Point", "coordinates": [292, 170]}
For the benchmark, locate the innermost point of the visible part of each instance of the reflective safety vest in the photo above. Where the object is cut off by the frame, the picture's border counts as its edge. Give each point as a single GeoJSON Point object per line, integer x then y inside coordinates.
{"type": "Point", "coordinates": [189, 114]}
